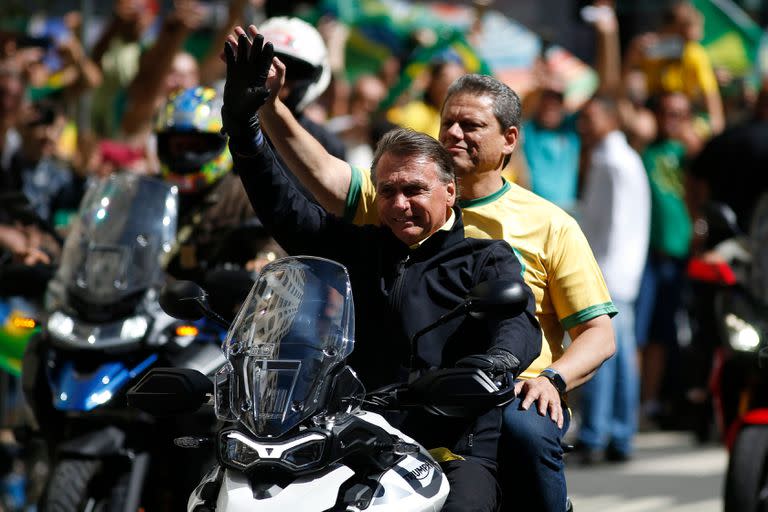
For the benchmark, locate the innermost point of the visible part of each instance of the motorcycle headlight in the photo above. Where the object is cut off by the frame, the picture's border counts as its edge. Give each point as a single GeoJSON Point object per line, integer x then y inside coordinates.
{"type": "Point", "coordinates": [134, 328]}
{"type": "Point", "coordinates": [299, 453]}
{"type": "Point", "coordinates": [237, 450]}
{"type": "Point", "coordinates": [742, 336]}
{"type": "Point", "coordinates": [306, 455]}
{"type": "Point", "coordinates": [60, 325]}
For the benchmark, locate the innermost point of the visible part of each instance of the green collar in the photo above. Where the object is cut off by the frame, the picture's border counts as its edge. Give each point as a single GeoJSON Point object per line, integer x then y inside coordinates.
{"type": "Point", "coordinates": [480, 201]}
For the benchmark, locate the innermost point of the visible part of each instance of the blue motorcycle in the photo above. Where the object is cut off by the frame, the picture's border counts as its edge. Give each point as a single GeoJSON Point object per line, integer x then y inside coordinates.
{"type": "Point", "coordinates": [105, 329]}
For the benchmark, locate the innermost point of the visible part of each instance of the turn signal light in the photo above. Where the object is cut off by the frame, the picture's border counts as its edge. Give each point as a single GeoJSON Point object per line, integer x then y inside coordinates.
{"type": "Point", "coordinates": [21, 322]}
{"type": "Point", "coordinates": [186, 330]}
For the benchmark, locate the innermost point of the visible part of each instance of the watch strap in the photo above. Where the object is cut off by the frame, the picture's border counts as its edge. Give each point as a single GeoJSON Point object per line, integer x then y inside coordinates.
{"type": "Point", "coordinates": [555, 378]}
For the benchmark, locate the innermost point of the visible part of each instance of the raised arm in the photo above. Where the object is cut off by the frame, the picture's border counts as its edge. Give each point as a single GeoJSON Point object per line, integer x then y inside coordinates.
{"type": "Point", "coordinates": [149, 84]}
{"type": "Point", "coordinates": [326, 177]}
{"type": "Point", "coordinates": [298, 224]}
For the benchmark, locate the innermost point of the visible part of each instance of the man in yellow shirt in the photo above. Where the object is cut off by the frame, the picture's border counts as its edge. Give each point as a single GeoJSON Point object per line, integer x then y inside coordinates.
{"type": "Point", "coordinates": [480, 128]}
{"type": "Point", "coordinates": [673, 60]}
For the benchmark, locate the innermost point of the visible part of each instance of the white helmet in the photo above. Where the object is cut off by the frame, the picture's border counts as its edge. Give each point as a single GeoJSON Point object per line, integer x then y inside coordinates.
{"type": "Point", "coordinates": [300, 46]}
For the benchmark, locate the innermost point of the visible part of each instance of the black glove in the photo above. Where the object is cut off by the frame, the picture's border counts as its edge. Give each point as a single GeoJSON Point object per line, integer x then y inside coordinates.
{"type": "Point", "coordinates": [245, 89]}
{"type": "Point", "coordinates": [495, 362]}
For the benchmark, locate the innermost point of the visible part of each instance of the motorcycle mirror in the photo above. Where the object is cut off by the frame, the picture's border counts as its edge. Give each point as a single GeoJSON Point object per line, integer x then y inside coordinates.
{"type": "Point", "coordinates": [170, 391]}
{"type": "Point", "coordinates": [184, 300]}
{"type": "Point", "coordinates": [722, 222]}
{"type": "Point", "coordinates": [502, 296]}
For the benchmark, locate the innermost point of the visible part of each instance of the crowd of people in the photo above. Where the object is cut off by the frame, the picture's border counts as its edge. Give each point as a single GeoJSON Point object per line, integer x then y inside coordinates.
{"type": "Point", "coordinates": [598, 204]}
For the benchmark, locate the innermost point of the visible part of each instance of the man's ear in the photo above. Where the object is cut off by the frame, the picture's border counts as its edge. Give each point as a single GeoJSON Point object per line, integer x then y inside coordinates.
{"type": "Point", "coordinates": [511, 136]}
{"type": "Point", "coordinates": [451, 189]}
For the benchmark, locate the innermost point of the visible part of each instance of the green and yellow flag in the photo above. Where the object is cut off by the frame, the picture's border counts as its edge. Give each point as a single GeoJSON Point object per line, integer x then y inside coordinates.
{"type": "Point", "coordinates": [731, 37]}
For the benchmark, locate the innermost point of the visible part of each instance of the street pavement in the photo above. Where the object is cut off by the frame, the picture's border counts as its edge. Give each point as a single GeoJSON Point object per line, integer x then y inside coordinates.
{"type": "Point", "coordinates": [669, 473]}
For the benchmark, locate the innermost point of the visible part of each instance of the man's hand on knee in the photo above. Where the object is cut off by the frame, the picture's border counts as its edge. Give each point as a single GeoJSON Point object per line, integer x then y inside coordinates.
{"type": "Point", "coordinates": [543, 392]}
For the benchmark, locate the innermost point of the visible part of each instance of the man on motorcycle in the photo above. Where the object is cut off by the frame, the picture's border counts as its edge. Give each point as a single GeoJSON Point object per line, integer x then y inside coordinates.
{"type": "Point", "coordinates": [217, 225]}
{"type": "Point", "coordinates": [413, 269]}
{"type": "Point", "coordinates": [480, 129]}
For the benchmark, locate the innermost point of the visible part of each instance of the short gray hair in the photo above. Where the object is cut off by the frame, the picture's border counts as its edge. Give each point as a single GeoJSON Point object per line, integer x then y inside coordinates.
{"type": "Point", "coordinates": [407, 142]}
{"type": "Point", "coordinates": [506, 102]}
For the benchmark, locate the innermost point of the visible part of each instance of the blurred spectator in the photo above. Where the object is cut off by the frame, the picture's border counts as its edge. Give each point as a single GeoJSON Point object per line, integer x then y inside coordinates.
{"type": "Point", "coordinates": [217, 225]}
{"type": "Point", "coordinates": [424, 114]}
{"type": "Point", "coordinates": [356, 128]}
{"type": "Point", "coordinates": [117, 52]}
{"type": "Point", "coordinates": [731, 167]}
{"type": "Point", "coordinates": [615, 216]}
{"type": "Point", "coordinates": [671, 230]}
{"type": "Point", "coordinates": [551, 143]}
{"type": "Point", "coordinates": [72, 72]}
{"type": "Point", "coordinates": [27, 243]}
{"type": "Point", "coordinates": [628, 90]}
{"type": "Point", "coordinates": [47, 182]}
{"type": "Point", "coordinates": [673, 60]}
{"type": "Point", "coordinates": [163, 69]}
{"type": "Point", "coordinates": [11, 100]}
{"type": "Point", "coordinates": [335, 100]}
{"type": "Point", "coordinates": [300, 47]}
{"type": "Point", "coordinates": [212, 68]}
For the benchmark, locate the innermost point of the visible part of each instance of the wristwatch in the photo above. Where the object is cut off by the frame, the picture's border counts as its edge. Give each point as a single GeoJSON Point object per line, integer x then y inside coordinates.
{"type": "Point", "coordinates": [555, 378]}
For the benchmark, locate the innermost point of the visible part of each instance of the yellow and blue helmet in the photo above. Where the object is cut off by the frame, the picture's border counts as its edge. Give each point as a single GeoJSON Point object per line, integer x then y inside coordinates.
{"type": "Point", "coordinates": [192, 151]}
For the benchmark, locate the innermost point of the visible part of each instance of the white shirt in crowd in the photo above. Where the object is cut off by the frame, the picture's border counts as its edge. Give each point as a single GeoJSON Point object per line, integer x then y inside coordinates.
{"type": "Point", "coordinates": [616, 214]}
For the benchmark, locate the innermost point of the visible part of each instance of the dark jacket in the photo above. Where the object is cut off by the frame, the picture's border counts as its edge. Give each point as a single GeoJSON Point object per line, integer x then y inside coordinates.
{"type": "Point", "coordinates": [398, 291]}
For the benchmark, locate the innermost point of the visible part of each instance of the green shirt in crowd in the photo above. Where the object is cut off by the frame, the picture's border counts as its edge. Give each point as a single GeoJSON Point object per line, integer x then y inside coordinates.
{"type": "Point", "coordinates": [671, 227]}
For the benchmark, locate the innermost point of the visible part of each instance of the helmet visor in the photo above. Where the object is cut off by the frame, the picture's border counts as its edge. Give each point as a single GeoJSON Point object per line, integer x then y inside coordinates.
{"type": "Point", "coordinates": [188, 152]}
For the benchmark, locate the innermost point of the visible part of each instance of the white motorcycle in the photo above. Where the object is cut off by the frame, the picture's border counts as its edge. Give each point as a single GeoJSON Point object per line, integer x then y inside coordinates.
{"type": "Point", "coordinates": [294, 435]}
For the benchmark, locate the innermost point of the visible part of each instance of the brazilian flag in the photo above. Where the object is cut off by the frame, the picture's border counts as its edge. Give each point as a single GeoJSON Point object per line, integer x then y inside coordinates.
{"type": "Point", "coordinates": [731, 37]}
{"type": "Point", "coordinates": [380, 29]}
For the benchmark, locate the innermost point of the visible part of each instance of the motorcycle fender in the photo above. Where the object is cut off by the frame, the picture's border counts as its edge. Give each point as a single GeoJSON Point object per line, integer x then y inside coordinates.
{"type": "Point", "coordinates": [98, 443]}
{"type": "Point", "coordinates": [753, 417]}
{"type": "Point", "coordinates": [315, 493]}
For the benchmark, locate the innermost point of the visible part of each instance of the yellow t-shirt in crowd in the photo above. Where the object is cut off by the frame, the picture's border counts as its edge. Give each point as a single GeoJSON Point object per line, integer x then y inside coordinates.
{"type": "Point", "coordinates": [557, 261]}
{"type": "Point", "coordinates": [691, 73]}
{"type": "Point", "coordinates": [418, 116]}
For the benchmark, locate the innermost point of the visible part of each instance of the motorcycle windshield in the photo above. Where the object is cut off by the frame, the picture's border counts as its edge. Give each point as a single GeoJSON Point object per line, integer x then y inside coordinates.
{"type": "Point", "coordinates": [294, 329]}
{"type": "Point", "coordinates": [125, 226]}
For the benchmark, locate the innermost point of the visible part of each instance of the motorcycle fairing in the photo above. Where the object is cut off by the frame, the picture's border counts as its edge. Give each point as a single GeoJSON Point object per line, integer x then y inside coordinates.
{"type": "Point", "coordinates": [75, 392]}
{"type": "Point", "coordinates": [317, 492]}
{"type": "Point", "coordinates": [416, 483]}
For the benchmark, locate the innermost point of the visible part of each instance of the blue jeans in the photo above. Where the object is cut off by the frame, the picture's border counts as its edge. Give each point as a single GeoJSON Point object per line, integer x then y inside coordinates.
{"type": "Point", "coordinates": [659, 300]}
{"type": "Point", "coordinates": [609, 402]}
{"type": "Point", "coordinates": [532, 471]}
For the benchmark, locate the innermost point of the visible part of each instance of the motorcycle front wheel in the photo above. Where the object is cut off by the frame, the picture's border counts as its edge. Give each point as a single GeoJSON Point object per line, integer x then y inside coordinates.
{"type": "Point", "coordinates": [747, 477]}
{"type": "Point", "coordinates": [73, 487]}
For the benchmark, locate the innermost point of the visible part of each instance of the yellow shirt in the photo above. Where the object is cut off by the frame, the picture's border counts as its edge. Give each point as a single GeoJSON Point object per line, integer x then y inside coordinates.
{"type": "Point", "coordinates": [418, 116]}
{"type": "Point", "coordinates": [691, 74]}
{"type": "Point", "coordinates": [557, 261]}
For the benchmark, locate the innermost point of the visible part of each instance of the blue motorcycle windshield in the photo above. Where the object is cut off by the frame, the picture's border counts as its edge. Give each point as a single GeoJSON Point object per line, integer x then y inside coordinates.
{"type": "Point", "coordinates": [124, 229]}
{"type": "Point", "coordinates": [295, 327]}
